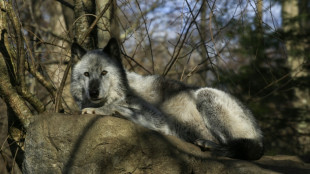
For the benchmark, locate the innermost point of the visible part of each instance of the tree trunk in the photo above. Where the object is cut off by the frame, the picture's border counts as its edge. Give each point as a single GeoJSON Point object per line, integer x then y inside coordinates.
{"type": "Point", "coordinates": [260, 56]}
{"type": "Point", "coordinates": [295, 57]}
{"type": "Point", "coordinates": [296, 60]}
{"type": "Point", "coordinates": [83, 10]}
{"type": "Point", "coordinates": [18, 113]}
{"type": "Point", "coordinates": [108, 25]}
{"type": "Point", "coordinates": [93, 32]}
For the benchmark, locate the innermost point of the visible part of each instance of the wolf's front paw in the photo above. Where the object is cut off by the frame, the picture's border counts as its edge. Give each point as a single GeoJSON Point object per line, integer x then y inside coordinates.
{"type": "Point", "coordinates": [89, 111]}
{"type": "Point", "coordinates": [98, 111]}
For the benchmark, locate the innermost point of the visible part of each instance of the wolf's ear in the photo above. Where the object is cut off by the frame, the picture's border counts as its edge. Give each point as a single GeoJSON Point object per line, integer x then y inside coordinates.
{"type": "Point", "coordinates": [112, 49]}
{"type": "Point", "coordinates": [77, 51]}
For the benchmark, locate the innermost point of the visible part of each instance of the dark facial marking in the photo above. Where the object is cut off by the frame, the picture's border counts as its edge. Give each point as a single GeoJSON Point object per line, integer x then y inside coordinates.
{"type": "Point", "coordinates": [94, 88]}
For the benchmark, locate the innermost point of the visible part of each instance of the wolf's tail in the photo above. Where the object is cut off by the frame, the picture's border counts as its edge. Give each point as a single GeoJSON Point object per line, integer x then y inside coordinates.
{"type": "Point", "coordinates": [242, 148]}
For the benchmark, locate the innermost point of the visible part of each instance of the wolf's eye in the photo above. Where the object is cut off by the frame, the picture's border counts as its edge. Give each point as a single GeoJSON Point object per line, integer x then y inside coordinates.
{"type": "Point", "coordinates": [104, 72]}
{"type": "Point", "coordinates": [86, 74]}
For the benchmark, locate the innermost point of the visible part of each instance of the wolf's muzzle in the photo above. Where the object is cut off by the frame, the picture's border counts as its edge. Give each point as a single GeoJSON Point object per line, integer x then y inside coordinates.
{"type": "Point", "coordinates": [93, 90]}
{"type": "Point", "coordinates": [93, 93]}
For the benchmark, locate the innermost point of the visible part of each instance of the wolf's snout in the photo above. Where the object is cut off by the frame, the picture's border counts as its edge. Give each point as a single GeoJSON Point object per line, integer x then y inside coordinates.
{"type": "Point", "coordinates": [94, 93]}
{"type": "Point", "coordinates": [94, 89]}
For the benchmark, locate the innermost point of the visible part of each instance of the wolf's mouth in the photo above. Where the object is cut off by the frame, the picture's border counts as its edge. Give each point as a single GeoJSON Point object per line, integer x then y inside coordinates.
{"type": "Point", "coordinates": [97, 100]}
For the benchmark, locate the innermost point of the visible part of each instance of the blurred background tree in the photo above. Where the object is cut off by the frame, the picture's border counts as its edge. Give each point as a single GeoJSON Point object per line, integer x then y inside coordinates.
{"type": "Point", "coordinates": [258, 50]}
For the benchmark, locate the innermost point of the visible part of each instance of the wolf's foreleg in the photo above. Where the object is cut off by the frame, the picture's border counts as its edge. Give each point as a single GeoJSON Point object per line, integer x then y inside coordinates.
{"type": "Point", "coordinates": [140, 113]}
{"type": "Point", "coordinates": [111, 109]}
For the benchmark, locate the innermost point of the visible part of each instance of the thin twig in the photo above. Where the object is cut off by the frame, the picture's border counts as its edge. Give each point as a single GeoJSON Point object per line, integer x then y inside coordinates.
{"type": "Point", "coordinates": [133, 26]}
{"type": "Point", "coordinates": [132, 59]}
{"type": "Point", "coordinates": [21, 59]}
{"type": "Point", "coordinates": [148, 36]}
{"type": "Point", "coordinates": [169, 64]}
{"type": "Point", "coordinates": [42, 80]}
{"type": "Point", "coordinates": [200, 34]}
{"type": "Point", "coordinates": [58, 105]}
{"type": "Point", "coordinates": [176, 56]}
{"type": "Point", "coordinates": [92, 26]}
{"type": "Point", "coordinates": [67, 4]}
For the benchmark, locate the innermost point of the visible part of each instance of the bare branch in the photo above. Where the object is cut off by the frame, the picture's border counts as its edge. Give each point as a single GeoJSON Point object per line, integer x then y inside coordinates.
{"type": "Point", "coordinates": [176, 53]}
{"type": "Point", "coordinates": [21, 87]}
{"type": "Point", "coordinates": [148, 36]}
{"type": "Point", "coordinates": [11, 97]}
{"type": "Point", "coordinates": [20, 48]}
{"type": "Point", "coordinates": [82, 22]}
{"type": "Point", "coordinates": [42, 80]}
{"type": "Point", "coordinates": [96, 20]}
{"type": "Point", "coordinates": [67, 4]}
{"type": "Point", "coordinates": [58, 106]}
{"type": "Point", "coordinates": [200, 33]}
{"type": "Point", "coordinates": [7, 91]}
{"type": "Point", "coordinates": [132, 59]}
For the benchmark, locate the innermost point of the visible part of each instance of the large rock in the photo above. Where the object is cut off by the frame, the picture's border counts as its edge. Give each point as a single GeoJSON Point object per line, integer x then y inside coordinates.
{"type": "Point", "coordinates": [58, 143]}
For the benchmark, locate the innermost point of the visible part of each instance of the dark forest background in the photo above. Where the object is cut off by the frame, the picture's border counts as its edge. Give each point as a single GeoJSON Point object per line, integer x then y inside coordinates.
{"type": "Point", "coordinates": [257, 50]}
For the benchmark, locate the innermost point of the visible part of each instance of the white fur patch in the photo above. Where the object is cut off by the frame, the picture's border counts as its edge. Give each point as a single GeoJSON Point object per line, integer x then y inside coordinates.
{"type": "Point", "coordinates": [232, 115]}
{"type": "Point", "coordinates": [145, 87]}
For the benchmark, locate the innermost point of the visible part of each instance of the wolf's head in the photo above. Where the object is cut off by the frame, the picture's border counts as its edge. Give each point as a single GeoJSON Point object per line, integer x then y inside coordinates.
{"type": "Point", "coordinates": [99, 74]}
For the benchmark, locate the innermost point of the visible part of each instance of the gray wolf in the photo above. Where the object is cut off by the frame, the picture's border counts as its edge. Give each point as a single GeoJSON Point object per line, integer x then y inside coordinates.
{"type": "Point", "coordinates": [210, 118]}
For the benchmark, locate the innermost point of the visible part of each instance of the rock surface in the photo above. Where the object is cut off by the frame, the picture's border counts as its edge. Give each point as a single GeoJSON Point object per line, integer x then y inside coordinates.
{"type": "Point", "coordinates": [58, 143]}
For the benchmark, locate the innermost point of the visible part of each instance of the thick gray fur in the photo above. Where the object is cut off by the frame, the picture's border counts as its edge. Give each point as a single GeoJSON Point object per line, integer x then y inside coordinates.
{"type": "Point", "coordinates": [208, 117]}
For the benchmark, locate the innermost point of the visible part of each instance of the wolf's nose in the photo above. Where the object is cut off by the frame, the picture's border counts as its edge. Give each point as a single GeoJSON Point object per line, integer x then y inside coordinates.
{"type": "Point", "coordinates": [94, 93]}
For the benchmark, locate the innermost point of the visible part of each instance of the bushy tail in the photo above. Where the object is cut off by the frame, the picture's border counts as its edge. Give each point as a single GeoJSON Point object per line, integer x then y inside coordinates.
{"type": "Point", "coordinates": [245, 149]}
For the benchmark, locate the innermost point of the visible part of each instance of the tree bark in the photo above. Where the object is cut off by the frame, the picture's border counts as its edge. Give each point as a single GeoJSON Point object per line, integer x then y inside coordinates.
{"type": "Point", "coordinates": [84, 11]}
{"type": "Point", "coordinates": [260, 56]}
{"type": "Point", "coordinates": [296, 62]}
{"type": "Point", "coordinates": [7, 90]}
{"type": "Point", "coordinates": [108, 25]}
{"type": "Point", "coordinates": [11, 90]}
{"type": "Point", "coordinates": [297, 56]}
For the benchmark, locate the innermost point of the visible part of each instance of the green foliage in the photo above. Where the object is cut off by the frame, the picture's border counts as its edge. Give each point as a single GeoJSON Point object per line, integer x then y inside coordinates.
{"type": "Point", "coordinates": [265, 82]}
